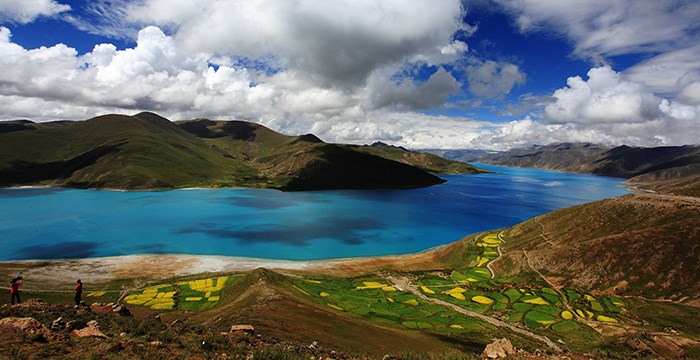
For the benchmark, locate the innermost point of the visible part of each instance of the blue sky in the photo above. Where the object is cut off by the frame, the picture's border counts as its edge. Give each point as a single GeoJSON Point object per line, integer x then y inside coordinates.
{"type": "Point", "coordinates": [491, 74]}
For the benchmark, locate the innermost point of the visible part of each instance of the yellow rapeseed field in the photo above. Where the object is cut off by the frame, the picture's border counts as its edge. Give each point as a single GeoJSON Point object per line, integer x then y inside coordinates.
{"type": "Point", "coordinates": [536, 301]}
{"type": "Point", "coordinates": [482, 300]}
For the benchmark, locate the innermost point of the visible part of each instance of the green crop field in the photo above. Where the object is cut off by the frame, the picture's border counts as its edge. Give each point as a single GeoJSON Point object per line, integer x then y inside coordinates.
{"type": "Point", "coordinates": [539, 308]}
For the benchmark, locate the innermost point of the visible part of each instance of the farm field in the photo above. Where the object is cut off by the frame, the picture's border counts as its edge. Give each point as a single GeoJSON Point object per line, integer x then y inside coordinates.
{"type": "Point", "coordinates": [199, 294]}
{"type": "Point", "coordinates": [562, 314]}
{"type": "Point", "coordinates": [464, 301]}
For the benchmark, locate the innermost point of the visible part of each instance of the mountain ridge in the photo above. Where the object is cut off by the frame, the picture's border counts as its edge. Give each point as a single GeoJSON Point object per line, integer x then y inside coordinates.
{"type": "Point", "coordinates": [147, 151]}
{"type": "Point", "coordinates": [677, 166]}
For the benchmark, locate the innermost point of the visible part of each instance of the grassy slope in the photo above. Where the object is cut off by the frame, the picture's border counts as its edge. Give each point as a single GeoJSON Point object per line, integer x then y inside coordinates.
{"type": "Point", "coordinates": [268, 300]}
{"type": "Point", "coordinates": [143, 151]}
{"type": "Point", "coordinates": [305, 162]}
{"type": "Point", "coordinates": [428, 162]}
{"type": "Point", "coordinates": [147, 151]}
{"type": "Point", "coordinates": [635, 244]}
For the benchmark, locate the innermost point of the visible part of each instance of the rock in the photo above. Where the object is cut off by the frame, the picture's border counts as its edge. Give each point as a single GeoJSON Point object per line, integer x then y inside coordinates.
{"type": "Point", "coordinates": [100, 308]}
{"type": "Point", "coordinates": [29, 328]}
{"type": "Point", "coordinates": [244, 328]}
{"type": "Point", "coordinates": [500, 348]}
{"type": "Point", "coordinates": [58, 324]}
{"type": "Point", "coordinates": [92, 330]}
{"type": "Point", "coordinates": [70, 325]}
{"type": "Point", "coordinates": [155, 343]}
{"type": "Point", "coordinates": [121, 310]}
{"type": "Point", "coordinates": [111, 308]}
{"type": "Point", "coordinates": [314, 345]}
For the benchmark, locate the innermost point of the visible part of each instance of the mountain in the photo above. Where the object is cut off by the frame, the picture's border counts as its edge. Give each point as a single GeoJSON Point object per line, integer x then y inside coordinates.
{"type": "Point", "coordinates": [641, 244]}
{"type": "Point", "coordinates": [147, 151]}
{"type": "Point", "coordinates": [571, 157]}
{"type": "Point", "coordinates": [423, 160]}
{"type": "Point", "coordinates": [671, 169]}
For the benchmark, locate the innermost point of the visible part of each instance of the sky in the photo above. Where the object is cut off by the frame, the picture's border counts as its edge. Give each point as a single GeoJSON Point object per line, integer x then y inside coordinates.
{"type": "Point", "coordinates": [441, 74]}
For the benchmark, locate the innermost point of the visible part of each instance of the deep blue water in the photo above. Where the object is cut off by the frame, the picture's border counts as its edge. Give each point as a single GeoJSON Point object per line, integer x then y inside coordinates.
{"type": "Point", "coordinates": [63, 223]}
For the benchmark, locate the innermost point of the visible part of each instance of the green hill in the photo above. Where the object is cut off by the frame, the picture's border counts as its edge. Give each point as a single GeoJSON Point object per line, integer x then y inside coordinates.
{"type": "Point", "coordinates": [631, 245]}
{"type": "Point", "coordinates": [147, 151]}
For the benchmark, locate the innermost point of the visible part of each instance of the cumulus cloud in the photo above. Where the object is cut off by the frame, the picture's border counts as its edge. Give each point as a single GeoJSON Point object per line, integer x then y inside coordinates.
{"type": "Point", "coordinates": [382, 92]}
{"type": "Point", "coordinates": [158, 75]}
{"type": "Point", "coordinates": [23, 11]}
{"type": "Point", "coordinates": [345, 71]}
{"type": "Point", "coordinates": [491, 79]}
{"type": "Point", "coordinates": [624, 110]}
{"type": "Point", "coordinates": [332, 43]}
{"type": "Point", "coordinates": [605, 97]}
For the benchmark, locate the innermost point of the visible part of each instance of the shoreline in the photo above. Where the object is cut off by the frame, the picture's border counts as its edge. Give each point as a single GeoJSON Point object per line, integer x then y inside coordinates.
{"type": "Point", "coordinates": [110, 268]}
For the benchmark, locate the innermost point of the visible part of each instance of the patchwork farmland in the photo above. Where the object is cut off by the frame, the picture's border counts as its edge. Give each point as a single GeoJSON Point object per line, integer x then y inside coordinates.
{"type": "Point", "coordinates": [559, 313]}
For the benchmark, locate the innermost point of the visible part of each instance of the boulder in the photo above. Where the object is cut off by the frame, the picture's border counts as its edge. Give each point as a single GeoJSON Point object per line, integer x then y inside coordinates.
{"type": "Point", "coordinates": [28, 327]}
{"type": "Point", "coordinates": [58, 324]}
{"type": "Point", "coordinates": [111, 308]}
{"type": "Point", "coordinates": [500, 348]}
{"type": "Point", "coordinates": [92, 330]}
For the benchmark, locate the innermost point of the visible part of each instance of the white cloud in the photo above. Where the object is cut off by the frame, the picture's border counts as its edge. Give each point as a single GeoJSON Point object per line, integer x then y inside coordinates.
{"type": "Point", "coordinates": [492, 79]}
{"type": "Point", "coordinates": [347, 76]}
{"type": "Point", "coordinates": [25, 11]}
{"type": "Point", "coordinates": [335, 44]}
{"type": "Point", "coordinates": [158, 75]}
{"type": "Point", "coordinates": [382, 92]}
{"type": "Point", "coordinates": [605, 97]}
{"type": "Point", "coordinates": [625, 111]}
{"type": "Point", "coordinates": [668, 72]}
{"type": "Point", "coordinates": [601, 28]}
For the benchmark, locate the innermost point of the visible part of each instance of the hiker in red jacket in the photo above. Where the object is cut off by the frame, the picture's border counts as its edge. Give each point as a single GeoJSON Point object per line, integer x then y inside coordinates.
{"type": "Point", "coordinates": [14, 289]}
{"type": "Point", "coordinates": [78, 293]}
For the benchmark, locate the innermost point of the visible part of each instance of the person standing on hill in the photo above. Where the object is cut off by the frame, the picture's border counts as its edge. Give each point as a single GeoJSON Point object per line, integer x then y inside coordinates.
{"type": "Point", "coordinates": [14, 289]}
{"type": "Point", "coordinates": [78, 292]}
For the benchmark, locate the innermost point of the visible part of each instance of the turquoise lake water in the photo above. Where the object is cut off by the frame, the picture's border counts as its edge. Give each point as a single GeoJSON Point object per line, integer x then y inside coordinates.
{"type": "Point", "coordinates": [65, 223]}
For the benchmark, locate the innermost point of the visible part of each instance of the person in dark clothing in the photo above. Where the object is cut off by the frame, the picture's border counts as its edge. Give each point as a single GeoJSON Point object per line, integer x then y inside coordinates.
{"type": "Point", "coordinates": [14, 289]}
{"type": "Point", "coordinates": [78, 293]}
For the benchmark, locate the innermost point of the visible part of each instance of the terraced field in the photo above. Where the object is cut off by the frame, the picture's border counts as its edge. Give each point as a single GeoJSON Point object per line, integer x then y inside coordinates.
{"type": "Point", "coordinates": [200, 294]}
{"type": "Point", "coordinates": [421, 304]}
{"type": "Point", "coordinates": [538, 307]}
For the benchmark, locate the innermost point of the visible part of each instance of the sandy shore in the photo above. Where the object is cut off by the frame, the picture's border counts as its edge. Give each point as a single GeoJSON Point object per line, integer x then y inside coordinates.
{"type": "Point", "coordinates": [104, 269]}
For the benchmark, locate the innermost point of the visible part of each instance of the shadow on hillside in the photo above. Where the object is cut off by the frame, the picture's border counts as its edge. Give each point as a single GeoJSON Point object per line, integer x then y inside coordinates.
{"type": "Point", "coordinates": [21, 172]}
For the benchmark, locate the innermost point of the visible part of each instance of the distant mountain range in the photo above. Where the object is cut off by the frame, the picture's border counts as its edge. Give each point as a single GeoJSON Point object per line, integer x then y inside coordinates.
{"type": "Point", "coordinates": [674, 169]}
{"type": "Point", "coordinates": [147, 151]}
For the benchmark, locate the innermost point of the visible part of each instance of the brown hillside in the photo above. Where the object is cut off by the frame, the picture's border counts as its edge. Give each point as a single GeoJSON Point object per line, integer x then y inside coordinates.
{"type": "Point", "coordinates": [635, 244]}
{"type": "Point", "coordinates": [265, 299]}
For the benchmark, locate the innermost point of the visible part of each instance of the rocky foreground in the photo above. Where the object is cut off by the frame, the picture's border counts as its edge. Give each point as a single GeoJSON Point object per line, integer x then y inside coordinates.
{"type": "Point", "coordinates": [36, 329]}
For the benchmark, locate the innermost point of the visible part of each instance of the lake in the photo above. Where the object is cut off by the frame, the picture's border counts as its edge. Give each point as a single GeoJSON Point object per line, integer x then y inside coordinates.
{"type": "Point", "coordinates": [47, 223]}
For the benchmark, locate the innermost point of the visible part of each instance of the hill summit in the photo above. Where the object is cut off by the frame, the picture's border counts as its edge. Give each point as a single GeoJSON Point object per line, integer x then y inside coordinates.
{"type": "Point", "coordinates": [147, 151]}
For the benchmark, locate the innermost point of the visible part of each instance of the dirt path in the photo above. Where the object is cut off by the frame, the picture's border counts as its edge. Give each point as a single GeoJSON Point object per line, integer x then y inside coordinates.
{"type": "Point", "coordinates": [405, 284]}
{"type": "Point", "coordinates": [543, 233]}
{"type": "Point", "coordinates": [498, 248]}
